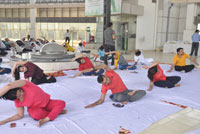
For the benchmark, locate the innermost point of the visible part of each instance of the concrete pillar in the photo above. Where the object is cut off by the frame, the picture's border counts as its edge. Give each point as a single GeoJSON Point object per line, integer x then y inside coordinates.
{"type": "Point", "coordinates": [192, 11]}
{"type": "Point", "coordinates": [33, 15]}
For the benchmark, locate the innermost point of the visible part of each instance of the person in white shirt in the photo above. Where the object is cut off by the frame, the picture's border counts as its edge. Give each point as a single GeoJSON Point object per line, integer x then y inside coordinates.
{"type": "Point", "coordinates": [15, 48]}
{"type": "Point", "coordinates": [139, 58]}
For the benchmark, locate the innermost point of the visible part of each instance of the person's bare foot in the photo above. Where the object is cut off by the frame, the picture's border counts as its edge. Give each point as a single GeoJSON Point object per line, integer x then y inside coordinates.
{"type": "Point", "coordinates": [63, 111]}
{"type": "Point", "coordinates": [124, 102]}
{"type": "Point", "coordinates": [149, 89]}
{"type": "Point", "coordinates": [177, 85]}
{"type": "Point", "coordinates": [42, 121]}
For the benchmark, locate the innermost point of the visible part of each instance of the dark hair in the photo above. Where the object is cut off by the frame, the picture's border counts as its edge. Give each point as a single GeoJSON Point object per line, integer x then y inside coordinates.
{"type": "Point", "coordinates": [153, 70]}
{"type": "Point", "coordinates": [17, 74]}
{"type": "Point", "coordinates": [80, 44]}
{"type": "Point", "coordinates": [197, 31]}
{"type": "Point", "coordinates": [178, 49]}
{"type": "Point", "coordinates": [18, 68]}
{"type": "Point", "coordinates": [10, 95]}
{"type": "Point", "coordinates": [138, 53]}
{"type": "Point", "coordinates": [110, 24]}
{"type": "Point", "coordinates": [100, 78]}
{"type": "Point", "coordinates": [1, 60]}
{"type": "Point", "coordinates": [101, 47]}
{"type": "Point", "coordinates": [78, 60]}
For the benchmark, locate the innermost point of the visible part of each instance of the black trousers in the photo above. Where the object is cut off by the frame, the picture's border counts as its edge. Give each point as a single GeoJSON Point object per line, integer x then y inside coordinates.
{"type": "Point", "coordinates": [108, 48]}
{"type": "Point", "coordinates": [169, 82]}
{"type": "Point", "coordinates": [186, 68]}
{"type": "Point", "coordinates": [195, 47]}
{"type": "Point", "coordinates": [43, 80]}
{"type": "Point", "coordinates": [67, 39]}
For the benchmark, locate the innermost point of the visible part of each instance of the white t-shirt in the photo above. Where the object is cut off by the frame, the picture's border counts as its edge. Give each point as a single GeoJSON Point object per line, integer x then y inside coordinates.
{"type": "Point", "coordinates": [139, 59]}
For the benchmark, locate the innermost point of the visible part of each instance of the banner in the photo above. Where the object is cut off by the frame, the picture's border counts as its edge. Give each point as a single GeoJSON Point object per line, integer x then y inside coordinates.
{"type": "Point", "coordinates": [95, 7]}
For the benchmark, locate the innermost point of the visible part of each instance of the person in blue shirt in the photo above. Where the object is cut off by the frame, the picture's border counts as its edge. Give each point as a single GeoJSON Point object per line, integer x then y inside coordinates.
{"type": "Point", "coordinates": [195, 43]}
{"type": "Point", "coordinates": [101, 52]}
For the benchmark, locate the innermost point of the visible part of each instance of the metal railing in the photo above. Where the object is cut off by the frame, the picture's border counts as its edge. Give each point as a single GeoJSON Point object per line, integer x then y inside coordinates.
{"type": "Point", "coordinates": [14, 1]}
{"type": "Point", "coordinates": [40, 1]}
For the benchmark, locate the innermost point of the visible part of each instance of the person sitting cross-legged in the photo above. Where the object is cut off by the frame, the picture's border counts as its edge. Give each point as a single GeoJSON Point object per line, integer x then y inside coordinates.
{"type": "Point", "coordinates": [179, 61]}
{"type": "Point", "coordinates": [119, 59]}
{"type": "Point", "coordinates": [84, 65]}
{"type": "Point", "coordinates": [120, 93]}
{"type": "Point", "coordinates": [26, 94]}
{"type": "Point", "coordinates": [158, 78]}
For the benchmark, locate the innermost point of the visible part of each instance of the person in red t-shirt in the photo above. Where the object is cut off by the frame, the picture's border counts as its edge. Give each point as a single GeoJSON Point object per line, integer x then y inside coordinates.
{"type": "Point", "coordinates": [31, 70]}
{"type": "Point", "coordinates": [158, 78]}
{"type": "Point", "coordinates": [85, 64]}
{"type": "Point", "coordinates": [40, 106]}
{"type": "Point", "coordinates": [120, 93]}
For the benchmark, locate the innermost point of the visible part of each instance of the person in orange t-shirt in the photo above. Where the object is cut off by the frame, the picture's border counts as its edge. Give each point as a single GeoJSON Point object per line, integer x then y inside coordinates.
{"type": "Point", "coordinates": [179, 61]}
{"type": "Point", "coordinates": [158, 78]}
{"type": "Point", "coordinates": [26, 94]}
{"type": "Point", "coordinates": [120, 93]}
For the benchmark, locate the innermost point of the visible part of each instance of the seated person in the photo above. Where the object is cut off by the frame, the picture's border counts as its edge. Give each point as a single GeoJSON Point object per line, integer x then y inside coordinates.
{"type": "Point", "coordinates": [179, 61]}
{"type": "Point", "coordinates": [120, 93]}
{"type": "Point", "coordinates": [7, 43]}
{"type": "Point", "coordinates": [158, 78]}
{"type": "Point", "coordinates": [68, 47]}
{"type": "Point", "coordinates": [27, 94]}
{"type": "Point", "coordinates": [84, 64]}
{"type": "Point", "coordinates": [31, 70]}
{"type": "Point", "coordinates": [4, 70]}
{"type": "Point", "coordinates": [119, 59]}
{"type": "Point", "coordinates": [139, 58]}
{"type": "Point", "coordinates": [101, 52]}
{"type": "Point", "coordinates": [15, 49]}
{"type": "Point", "coordinates": [81, 49]}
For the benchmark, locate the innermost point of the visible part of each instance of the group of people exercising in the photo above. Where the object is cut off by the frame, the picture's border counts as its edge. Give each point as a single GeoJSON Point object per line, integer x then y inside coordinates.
{"type": "Point", "coordinates": [42, 108]}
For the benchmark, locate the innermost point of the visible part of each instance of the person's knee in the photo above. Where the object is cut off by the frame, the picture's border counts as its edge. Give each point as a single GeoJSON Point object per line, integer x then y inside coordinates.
{"type": "Point", "coordinates": [119, 98]}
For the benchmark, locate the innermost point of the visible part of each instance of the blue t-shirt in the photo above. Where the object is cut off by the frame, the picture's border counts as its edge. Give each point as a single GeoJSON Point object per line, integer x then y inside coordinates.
{"type": "Point", "coordinates": [101, 53]}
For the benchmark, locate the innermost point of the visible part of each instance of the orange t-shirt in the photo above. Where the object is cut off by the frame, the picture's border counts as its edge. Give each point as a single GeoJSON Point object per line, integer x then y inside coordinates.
{"type": "Point", "coordinates": [159, 76]}
{"type": "Point", "coordinates": [34, 96]}
{"type": "Point", "coordinates": [180, 61]}
{"type": "Point", "coordinates": [116, 85]}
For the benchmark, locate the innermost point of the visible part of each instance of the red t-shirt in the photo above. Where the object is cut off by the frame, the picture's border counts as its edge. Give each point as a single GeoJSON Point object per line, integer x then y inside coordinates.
{"type": "Point", "coordinates": [86, 65]}
{"type": "Point", "coordinates": [116, 85]}
{"type": "Point", "coordinates": [159, 76]}
{"type": "Point", "coordinates": [34, 96]}
{"type": "Point", "coordinates": [33, 71]}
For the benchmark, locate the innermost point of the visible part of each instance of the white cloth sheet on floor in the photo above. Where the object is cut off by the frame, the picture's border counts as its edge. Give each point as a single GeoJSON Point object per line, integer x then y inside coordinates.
{"type": "Point", "coordinates": [105, 118]}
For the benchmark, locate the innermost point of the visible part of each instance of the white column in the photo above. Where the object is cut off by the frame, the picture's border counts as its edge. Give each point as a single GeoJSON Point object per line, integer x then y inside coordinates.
{"type": "Point", "coordinates": [192, 11]}
{"type": "Point", "coordinates": [33, 15]}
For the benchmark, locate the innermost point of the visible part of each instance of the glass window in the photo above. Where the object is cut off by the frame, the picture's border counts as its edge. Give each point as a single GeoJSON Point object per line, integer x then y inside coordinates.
{"type": "Point", "coordinates": [3, 34]}
{"type": "Point", "coordinates": [10, 35]}
{"type": "Point", "coordinates": [16, 25]}
{"type": "Point", "coordinates": [9, 25]}
{"type": "Point", "coordinates": [51, 26]}
{"type": "Point", "coordinates": [51, 34]}
{"type": "Point", "coordinates": [3, 26]}
{"type": "Point", "coordinates": [59, 35]}
{"type": "Point", "coordinates": [16, 34]}
{"type": "Point", "coordinates": [23, 25]}
{"type": "Point", "coordinates": [44, 26]}
{"type": "Point", "coordinates": [23, 33]}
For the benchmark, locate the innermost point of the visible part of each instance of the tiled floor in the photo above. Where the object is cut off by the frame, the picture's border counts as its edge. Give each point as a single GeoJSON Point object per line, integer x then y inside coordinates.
{"type": "Point", "coordinates": [156, 55]}
{"type": "Point", "coordinates": [181, 122]}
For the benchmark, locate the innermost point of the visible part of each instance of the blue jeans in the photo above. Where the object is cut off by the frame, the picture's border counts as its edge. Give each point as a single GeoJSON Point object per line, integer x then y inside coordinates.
{"type": "Point", "coordinates": [6, 71]}
{"type": "Point", "coordinates": [122, 67]}
{"type": "Point", "coordinates": [169, 82]}
{"type": "Point", "coordinates": [101, 71]}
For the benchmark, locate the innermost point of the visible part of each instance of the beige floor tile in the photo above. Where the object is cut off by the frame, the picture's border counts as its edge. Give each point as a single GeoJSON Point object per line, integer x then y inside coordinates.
{"type": "Point", "coordinates": [176, 126]}
{"type": "Point", "coordinates": [195, 115]}
{"type": "Point", "coordinates": [163, 130]}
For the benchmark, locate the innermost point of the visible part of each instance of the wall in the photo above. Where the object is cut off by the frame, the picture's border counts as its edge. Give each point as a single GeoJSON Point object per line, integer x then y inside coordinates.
{"type": "Point", "coordinates": [145, 26]}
